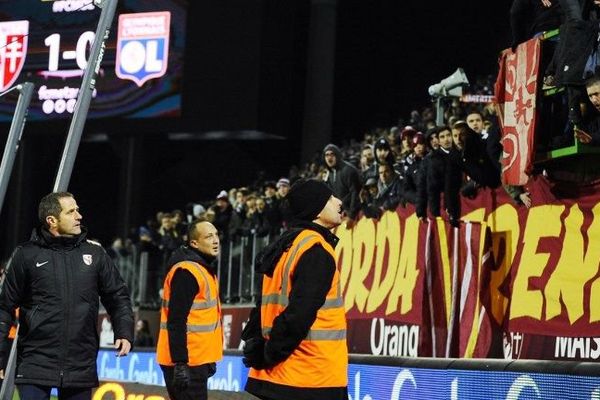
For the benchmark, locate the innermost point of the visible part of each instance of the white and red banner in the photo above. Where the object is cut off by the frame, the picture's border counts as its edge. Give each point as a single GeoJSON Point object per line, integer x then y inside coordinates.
{"type": "Point", "coordinates": [516, 88]}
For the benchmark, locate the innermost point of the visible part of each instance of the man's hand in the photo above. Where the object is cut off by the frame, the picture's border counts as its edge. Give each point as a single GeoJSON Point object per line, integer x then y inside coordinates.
{"type": "Point", "coordinates": [547, 3]}
{"type": "Point", "coordinates": [181, 376]}
{"type": "Point", "coordinates": [254, 353]}
{"type": "Point", "coordinates": [123, 346]}
{"type": "Point", "coordinates": [1, 374]}
{"type": "Point", "coordinates": [525, 199]}
{"type": "Point", "coordinates": [582, 136]}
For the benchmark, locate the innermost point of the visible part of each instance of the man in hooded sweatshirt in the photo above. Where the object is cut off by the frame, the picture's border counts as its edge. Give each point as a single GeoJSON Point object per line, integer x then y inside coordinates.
{"type": "Point", "coordinates": [345, 181]}
{"type": "Point", "coordinates": [190, 340]}
{"type": "Point", "coordinates": [295, 339]}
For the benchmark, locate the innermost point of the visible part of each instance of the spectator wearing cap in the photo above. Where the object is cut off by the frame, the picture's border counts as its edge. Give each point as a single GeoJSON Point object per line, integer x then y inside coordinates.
{"type": "Point", "coordinates": [406, 136]}
{"type": "Point", "coordinates": [223, 212]}
{"type": "Point", "coordinates": [383, 155]}
{"type": "Point", "coordinates": [283, 187]}
{"type": "Point", "coordinates": [279, 346]}
{"type": "Point", "coordinates": [344, 179]}
{"type": "Point", "coordinates": [367, 196]}
{"type": "Point", "coordinates": [413, 168]}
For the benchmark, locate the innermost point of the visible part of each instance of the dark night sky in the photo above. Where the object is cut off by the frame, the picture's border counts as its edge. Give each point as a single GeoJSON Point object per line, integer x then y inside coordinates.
{"type": "Point", "coordinates": [245, 69]}
{"type": "Point", "coordinates": [389, 52]}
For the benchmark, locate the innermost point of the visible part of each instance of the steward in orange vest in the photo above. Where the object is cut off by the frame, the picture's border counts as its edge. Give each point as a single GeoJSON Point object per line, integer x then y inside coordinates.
{"type": "Point", "coordinates": [295, 340]}
{"type": "Point", "coordinates": [190, 341]}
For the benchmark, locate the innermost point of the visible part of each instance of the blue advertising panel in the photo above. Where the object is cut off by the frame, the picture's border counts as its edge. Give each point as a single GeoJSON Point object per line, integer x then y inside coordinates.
{"type": "Point", "coordinates": [375, 382]}
{"type": "Point", "coordinates": [370, 382]}
{"type": "Point", "coordinates": [141, 367]}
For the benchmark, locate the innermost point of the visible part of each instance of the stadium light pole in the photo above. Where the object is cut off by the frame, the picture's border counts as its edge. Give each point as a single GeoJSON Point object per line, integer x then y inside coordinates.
{"type": "Point", "coordinates": [14, 136]}
{"type": "Point", "coordinates": [88, 84]}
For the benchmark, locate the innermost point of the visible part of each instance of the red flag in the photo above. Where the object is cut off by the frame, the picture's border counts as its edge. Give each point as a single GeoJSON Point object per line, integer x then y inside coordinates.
{"type": "Point", "coordinates": [516, 89]}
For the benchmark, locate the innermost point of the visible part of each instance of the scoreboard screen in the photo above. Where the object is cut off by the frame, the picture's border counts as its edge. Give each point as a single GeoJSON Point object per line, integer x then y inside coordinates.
{"type": "Point", "coordinates": [48, 43]}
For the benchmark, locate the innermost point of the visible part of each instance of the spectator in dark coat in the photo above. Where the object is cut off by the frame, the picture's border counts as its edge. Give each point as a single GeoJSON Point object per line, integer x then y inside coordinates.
{"type": "Point", "coordinates": [413, 168]}
{"type": "Point", "coordinates": [344, 180]}
{"type": "Point", "coordinates": [474, 157]}
{"type": "Point", "coordinates": [390, 193]}
{"type": "Point", "coordinates": [439, 174]}
{"type": "Point", "coordinates": [273, 213]}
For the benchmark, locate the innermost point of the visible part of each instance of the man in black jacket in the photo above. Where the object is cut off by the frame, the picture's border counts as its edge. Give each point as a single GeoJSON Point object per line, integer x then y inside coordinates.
{"type": "Point", "coordinates": [186, 350]}
{"type": "Point", "coordinates": [287, 361]}
{"type": "Point", "coordinates": [55, 279]}
{"type": "Point", "coordinates": [440, 173]}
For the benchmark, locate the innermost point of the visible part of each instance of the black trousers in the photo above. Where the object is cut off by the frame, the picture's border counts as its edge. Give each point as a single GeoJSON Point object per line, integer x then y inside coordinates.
{"type": "Point", "coordinates": [197, 388]}
{"type": "Point", "coordinates": [35, 392]}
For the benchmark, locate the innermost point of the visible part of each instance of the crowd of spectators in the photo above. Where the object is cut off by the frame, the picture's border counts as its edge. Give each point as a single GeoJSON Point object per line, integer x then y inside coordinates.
{"type": "Point", "coordinates": [415, 162]}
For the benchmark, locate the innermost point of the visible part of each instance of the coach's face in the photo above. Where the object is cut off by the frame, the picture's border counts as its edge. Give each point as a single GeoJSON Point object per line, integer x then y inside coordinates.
{"type": "Point", "coordinates": [68, 222]}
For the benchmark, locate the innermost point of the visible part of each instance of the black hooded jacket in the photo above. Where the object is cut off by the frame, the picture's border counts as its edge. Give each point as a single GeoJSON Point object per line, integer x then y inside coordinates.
{"type": "Point", "coordinates": [56, 283]}
{"type": "Point", "coordinates": [184, 288]}
{"type": "Point", "coordinates": [345, 182]}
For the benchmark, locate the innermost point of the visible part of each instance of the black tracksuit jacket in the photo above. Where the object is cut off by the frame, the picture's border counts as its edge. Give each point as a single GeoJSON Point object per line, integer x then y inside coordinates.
{"type": "Point", "coordinates": [56, 282]}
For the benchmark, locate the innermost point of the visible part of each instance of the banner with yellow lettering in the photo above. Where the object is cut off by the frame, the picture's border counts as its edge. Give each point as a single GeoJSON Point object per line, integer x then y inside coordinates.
{"type": "Point", "coordinates": [414, 288]}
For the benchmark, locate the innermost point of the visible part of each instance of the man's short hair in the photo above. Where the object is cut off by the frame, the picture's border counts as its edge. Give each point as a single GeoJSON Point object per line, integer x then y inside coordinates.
{"type": "Point", "coordinates": [592, 80]}
{"type": "Point", "coordinates": [50, 205]}
{"type": "Point", "coordinates": [192, 230]}
{"type": "Point", "coordinates": [475, 111]}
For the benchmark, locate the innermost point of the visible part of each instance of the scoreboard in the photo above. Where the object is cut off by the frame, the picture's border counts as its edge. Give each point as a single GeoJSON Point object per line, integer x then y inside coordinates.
{"type": "Point", "coordinates": [48, 43]}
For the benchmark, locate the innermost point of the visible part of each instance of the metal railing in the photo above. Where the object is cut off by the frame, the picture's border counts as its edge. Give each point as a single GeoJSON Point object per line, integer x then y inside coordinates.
{"type": "Point", "coordinates": [144, 271]}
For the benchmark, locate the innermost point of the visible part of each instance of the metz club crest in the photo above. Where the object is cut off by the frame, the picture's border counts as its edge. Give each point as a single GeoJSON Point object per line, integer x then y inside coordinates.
{"type": "Point", "coordinates": [87, 259]}
{"type": "Point", "coordinates": [143, 46]}
{"type": "Point", "coordinates": [13, 50]}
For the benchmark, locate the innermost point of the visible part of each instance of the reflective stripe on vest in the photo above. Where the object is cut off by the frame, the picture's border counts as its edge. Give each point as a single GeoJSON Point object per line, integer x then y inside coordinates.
{"type": "Point", "coordinates": [316, 334]}
{"type": "Point", "coordinates": [282, 298]}
{"type": "Point", "coordinates": [204, 332]}
{"type": "Point", "coordinates": [196, 328]}
{"type": "Point", "coordinates": [324, 347]}
{"type": "Point", "coordinates": [197, 305]}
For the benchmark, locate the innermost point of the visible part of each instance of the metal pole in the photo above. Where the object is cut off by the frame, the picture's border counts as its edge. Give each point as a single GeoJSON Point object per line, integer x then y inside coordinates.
{"type": "Point", "coordinates": [229, 267]}
{"type": "Point", "coordinates": [88, 84]}
{"type": "Point", "coordinates": [439, 111]}
{"type": "Point", "coordinates": [252, 265]}
{"type": "Point", "coordinates": [143, 279]}
{"type": "Point", "coordinates": [8, 384]}
{"type": "Point", "coordinates": [14, 137]}
{"type": "Point", "coordinates": [240, 278]}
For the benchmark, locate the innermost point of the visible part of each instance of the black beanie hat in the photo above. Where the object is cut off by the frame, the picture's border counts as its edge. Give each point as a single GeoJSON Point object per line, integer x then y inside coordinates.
{"type": "Point", "coordinates": [306, 199]}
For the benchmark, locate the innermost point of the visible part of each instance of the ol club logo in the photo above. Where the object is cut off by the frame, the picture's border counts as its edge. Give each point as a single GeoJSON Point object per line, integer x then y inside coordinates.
{"type": "Point", "coordinates": [143, 46]}
{"type": "Point", "coordinates": [13, 50]}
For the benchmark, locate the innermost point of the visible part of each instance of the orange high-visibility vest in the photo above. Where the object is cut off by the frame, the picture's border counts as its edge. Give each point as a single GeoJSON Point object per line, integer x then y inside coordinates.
{"type": "Point", "coordinates": [321, 359]}
{"type": "Point", "coordinates": [204, 331]}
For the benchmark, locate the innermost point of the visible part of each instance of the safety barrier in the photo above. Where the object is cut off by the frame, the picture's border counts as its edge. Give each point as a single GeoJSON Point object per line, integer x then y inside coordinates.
{"type": "Point", "coordinates": [393, 378]}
